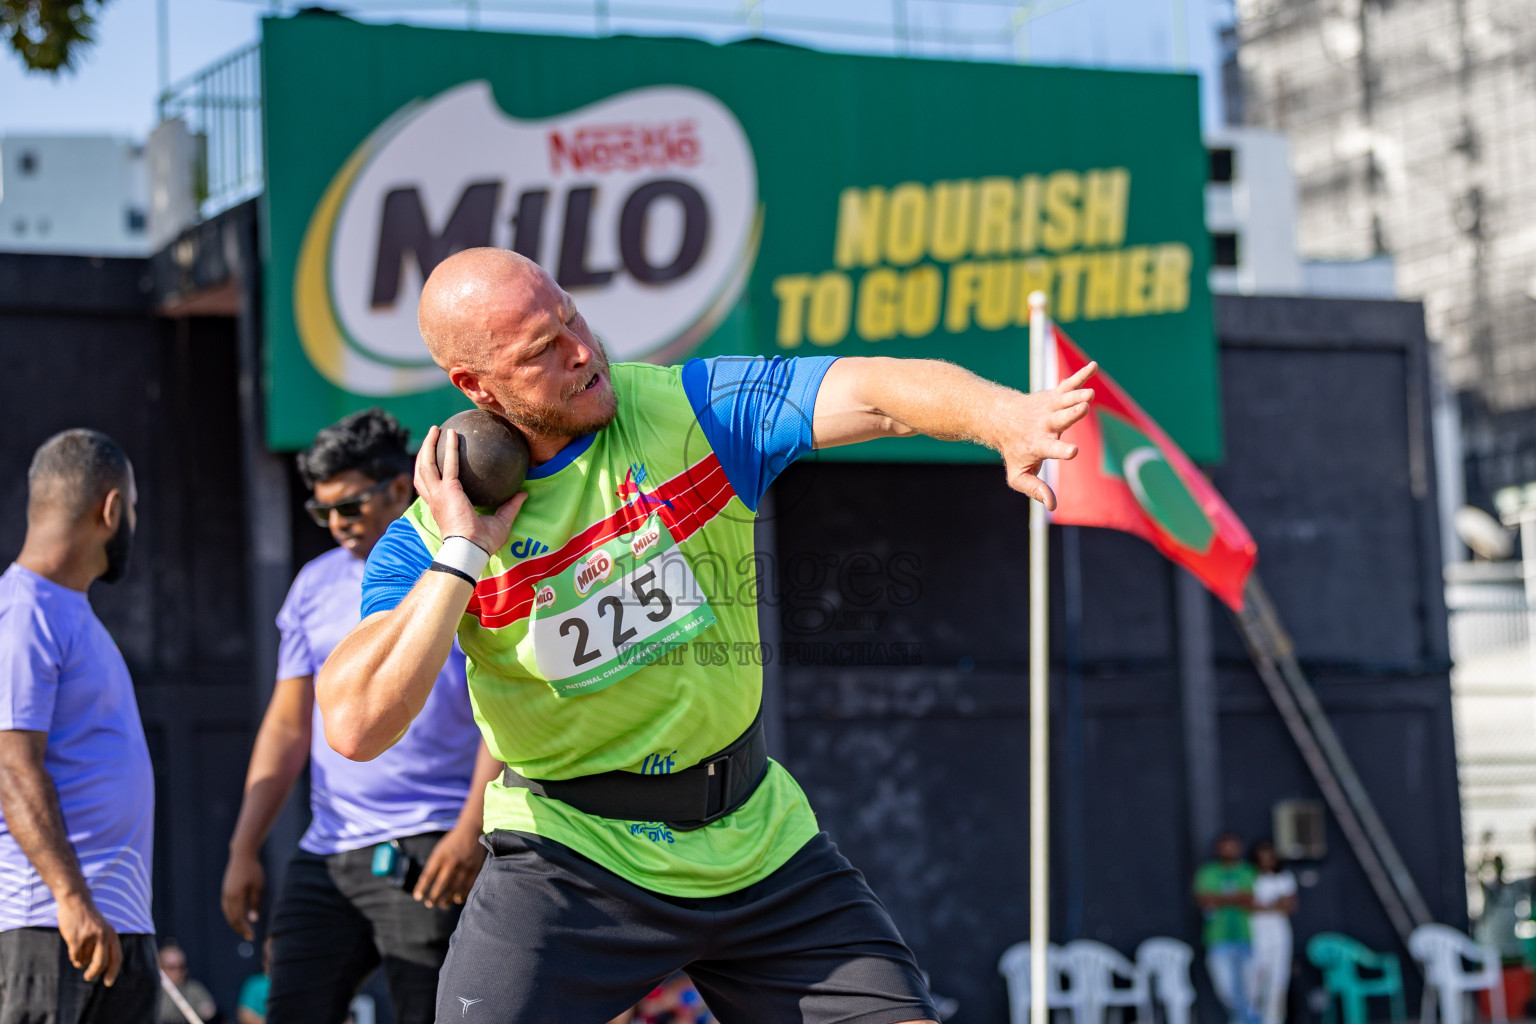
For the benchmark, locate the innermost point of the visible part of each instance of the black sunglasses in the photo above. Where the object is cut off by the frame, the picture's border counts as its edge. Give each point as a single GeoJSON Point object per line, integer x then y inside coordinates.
{"type": "Point", "coordinates": [348, 508]}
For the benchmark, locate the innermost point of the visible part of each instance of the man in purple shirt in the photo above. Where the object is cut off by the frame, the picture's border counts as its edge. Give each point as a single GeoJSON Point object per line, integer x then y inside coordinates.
{"type": "Point", "coordinates": [77, 794]}
{"type": "Point", "coordinates": [352, 899]}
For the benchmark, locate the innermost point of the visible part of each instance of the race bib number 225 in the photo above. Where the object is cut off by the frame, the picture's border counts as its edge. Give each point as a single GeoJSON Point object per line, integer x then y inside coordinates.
{"type": "Point", "coordinates": [621, 606]}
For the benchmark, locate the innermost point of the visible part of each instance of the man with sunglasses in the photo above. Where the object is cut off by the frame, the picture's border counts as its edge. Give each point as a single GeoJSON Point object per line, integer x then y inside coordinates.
{"type": "Point", "coordinates": [392, 848]}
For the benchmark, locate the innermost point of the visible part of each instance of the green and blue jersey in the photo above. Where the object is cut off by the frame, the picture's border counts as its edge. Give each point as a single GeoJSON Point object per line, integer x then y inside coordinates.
{"type": "Point", "coordinates": [592, 635]}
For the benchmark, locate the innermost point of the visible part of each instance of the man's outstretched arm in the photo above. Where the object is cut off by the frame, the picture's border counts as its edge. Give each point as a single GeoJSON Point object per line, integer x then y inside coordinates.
{"type": "Point", "coordinates": [864, 398]}
{"type": "Point", "coordinates": [378, 679]}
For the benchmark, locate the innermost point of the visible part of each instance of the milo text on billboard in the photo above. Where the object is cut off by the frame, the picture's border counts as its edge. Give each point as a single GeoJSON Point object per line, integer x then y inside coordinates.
{"type": "Point", "coordinates": [991, 242]}
{"type": "Point", "coordinates": [703, 200]}
{"type": "Point", "coordinates": [644, 204]}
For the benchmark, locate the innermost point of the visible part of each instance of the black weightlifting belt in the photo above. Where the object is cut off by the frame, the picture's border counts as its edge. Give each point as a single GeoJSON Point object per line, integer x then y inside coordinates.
{"type": "Point", "coordinates": [685, 800]}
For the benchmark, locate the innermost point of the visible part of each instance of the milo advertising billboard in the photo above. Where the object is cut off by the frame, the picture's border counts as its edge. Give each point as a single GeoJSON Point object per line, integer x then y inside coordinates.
{"type": "Point", "coordinates": [746, 199]}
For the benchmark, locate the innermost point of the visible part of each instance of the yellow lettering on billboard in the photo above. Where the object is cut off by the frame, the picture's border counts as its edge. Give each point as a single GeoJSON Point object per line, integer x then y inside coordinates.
{"type": "Point", "coordinates": [1106, 197]}
{"type": "Point", "coordinates": [1136, 278]}
{"type": "Point", "coordinates": [954, 214]}
{"type": "Point", "coordinates": [1101, 288]}
{"type": "Point", "coordinates": [876, 312]}
{"type": "Point", "coordinates": [906, 224]}
{"type": "Point", "coordinates": [968, 252]}
{"type": "Point", "coordinates": [995, 198]}
{"type": "Point", "coordinates": [831, 308]}
{"type": "Point", "coordinates": [1061, 229]}
{"type": "Point", "coordinates": [1029, 213]}
{"type": "Point", "coordinates": [1170, 283]}
{"type": "Point", "coordinates": [1069, 278]}
{"type": "Point", "coordinates": [859, 212]}
{"type": "Point", "coordinates": [921, 289]}
{"type": "Point", "coordinates": [791, 290]}
{"type": "Point", "coordinates": [993, 311]}
{"type": "Point", "coordinates": [963, 281]}
{"type": "Point", "coordinates": [1035, 274]}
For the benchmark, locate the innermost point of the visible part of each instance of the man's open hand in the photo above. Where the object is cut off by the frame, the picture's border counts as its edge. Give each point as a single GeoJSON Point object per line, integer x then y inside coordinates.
{"type": "Point", "coordinates": [1030, 427]}
{"type": "Point", "coordinates": [451, 510]}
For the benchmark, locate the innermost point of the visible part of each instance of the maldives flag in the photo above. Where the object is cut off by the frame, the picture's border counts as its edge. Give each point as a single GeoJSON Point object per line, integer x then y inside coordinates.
{"type": "Point", "coordinates": [1128, 475]}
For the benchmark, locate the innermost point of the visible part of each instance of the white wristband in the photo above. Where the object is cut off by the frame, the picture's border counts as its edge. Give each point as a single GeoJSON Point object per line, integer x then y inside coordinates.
{"type": "Point", "coordinates": [463, 554]}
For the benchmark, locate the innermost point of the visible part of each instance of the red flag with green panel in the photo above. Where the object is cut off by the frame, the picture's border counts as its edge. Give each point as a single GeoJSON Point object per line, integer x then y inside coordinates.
{"type": "Point", "coordinates": [1129, 475]}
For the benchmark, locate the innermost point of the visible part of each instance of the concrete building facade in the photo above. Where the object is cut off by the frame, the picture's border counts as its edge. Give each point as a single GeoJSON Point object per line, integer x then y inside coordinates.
{"type": "Point", "coordinates": [1413, 134]}
{"type": "Point", "coordinates": [83, 195]}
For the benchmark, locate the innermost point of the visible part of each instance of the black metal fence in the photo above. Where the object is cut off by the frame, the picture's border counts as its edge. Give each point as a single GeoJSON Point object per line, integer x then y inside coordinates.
{"type": "Point", "coordinates": [221, 107]}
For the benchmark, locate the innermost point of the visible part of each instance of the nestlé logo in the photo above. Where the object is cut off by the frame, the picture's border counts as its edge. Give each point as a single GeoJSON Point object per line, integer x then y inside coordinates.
{"type": "Point", "coordinates": [643, 206]}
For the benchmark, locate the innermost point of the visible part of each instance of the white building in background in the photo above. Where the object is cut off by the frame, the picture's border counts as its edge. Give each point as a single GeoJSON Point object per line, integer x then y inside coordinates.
{"type": "Point", "coordinates": [85, 195]}
{"type": "Point", "coordinates": [1250, 212]}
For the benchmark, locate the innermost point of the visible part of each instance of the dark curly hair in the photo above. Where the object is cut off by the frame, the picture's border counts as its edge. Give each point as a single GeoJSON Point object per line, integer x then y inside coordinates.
{"type": "Point", "coordinates": [372, 442]}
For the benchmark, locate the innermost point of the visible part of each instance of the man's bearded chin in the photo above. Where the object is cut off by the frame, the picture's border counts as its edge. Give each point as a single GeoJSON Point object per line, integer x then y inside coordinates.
{"type": "Point", "coordinates": [118, 548]}
{"type": "Point", "coordinates": [560, 420]}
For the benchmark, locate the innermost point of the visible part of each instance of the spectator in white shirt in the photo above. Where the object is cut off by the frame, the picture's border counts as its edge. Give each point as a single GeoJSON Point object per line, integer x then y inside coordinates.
{"type": "Point", "coordinates": [1274, 901]}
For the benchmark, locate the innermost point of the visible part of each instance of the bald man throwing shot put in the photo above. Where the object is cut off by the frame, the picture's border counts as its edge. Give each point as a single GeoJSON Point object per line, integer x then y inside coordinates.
{"type": "Point", "coordinates": [639, 827]}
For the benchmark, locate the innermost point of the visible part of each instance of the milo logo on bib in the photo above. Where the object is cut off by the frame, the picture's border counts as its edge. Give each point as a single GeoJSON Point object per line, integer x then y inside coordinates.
{"type": "Point", "coordinates": [597, 567]}
{"type": "Point", "coordinates": [618, 608]}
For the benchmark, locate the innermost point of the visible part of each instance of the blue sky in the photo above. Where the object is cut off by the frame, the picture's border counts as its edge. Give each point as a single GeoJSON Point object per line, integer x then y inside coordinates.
{"type": "Point", "coordinates": [115, 86]}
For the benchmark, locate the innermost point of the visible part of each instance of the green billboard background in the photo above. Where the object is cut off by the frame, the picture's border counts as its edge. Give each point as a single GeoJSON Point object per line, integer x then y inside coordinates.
{"type": "Point", "coordinates": [850, 154]}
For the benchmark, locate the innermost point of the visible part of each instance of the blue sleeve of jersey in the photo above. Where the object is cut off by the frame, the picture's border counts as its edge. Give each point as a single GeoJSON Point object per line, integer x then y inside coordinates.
{"type": "Point", "coordinates": [394, 565]}
{"type": "Point", "coordinates": [756, 414]}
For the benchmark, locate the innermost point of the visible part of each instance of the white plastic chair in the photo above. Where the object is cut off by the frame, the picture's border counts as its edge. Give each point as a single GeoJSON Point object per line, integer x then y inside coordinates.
{"type": "Point", "coordinates": [1092, 969]}
{"type": "Point", "coordinates": [1165, 964]}
{"type": "Point", "coordinates": [1442, 950]}
{"type": "Point", "coordinates": [1013, 965]}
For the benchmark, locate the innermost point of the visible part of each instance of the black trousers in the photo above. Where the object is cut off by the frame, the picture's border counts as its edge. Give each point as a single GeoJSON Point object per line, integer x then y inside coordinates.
{"type": "Point", "coordinates": [550, 937]}
{"type": "Point", "coordinates": [38, 984]}
{"type": "Point", "coordinates": [335, 922]}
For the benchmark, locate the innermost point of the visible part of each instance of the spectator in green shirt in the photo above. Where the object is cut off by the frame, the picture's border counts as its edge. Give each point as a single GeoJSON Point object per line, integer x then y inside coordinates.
{"type": "Point", "coordinates": [1224, 893]}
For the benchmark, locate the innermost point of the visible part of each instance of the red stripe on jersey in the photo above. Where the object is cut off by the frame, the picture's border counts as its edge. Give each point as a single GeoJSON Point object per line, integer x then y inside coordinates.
{"type": "Point", "coordinates": [697, 495]}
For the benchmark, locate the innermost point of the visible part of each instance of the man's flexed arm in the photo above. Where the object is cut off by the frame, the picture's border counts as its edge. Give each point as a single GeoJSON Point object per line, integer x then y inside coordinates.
{"type": "Point", "coordinates": [378, 679]}
{"type": "Point", "coordinates": [865, 398]}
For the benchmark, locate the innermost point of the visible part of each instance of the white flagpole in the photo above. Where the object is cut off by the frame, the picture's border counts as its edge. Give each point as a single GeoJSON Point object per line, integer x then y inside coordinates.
{"type": "Point", "coordinates": [1039, 703]}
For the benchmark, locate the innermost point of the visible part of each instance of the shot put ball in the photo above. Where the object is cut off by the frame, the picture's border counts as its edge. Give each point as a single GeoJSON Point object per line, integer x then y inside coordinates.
{"type": "Point", "coordinates": [493, 456]}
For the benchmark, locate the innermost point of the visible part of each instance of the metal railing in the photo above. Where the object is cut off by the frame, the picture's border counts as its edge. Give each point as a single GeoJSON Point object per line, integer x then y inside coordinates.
{"type": "Point", "coordinates": [974, 29]}
{"type": "Point", "coordinates": [221, 108]}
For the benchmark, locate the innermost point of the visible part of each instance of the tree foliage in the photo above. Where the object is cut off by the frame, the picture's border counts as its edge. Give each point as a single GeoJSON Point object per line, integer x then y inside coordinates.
{"type": "Point", "coordinates": [49, 35]}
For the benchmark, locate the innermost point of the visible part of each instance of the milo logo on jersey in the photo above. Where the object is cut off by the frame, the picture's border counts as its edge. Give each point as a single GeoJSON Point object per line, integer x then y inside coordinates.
{"type": "Point", "coordinates": [643, 206]}
{"type": "Point", "coordinates": [617, 609]}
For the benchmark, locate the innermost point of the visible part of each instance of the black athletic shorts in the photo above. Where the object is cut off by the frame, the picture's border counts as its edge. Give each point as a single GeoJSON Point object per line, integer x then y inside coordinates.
{"type": "Point", "coordinates": [550, 937]}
